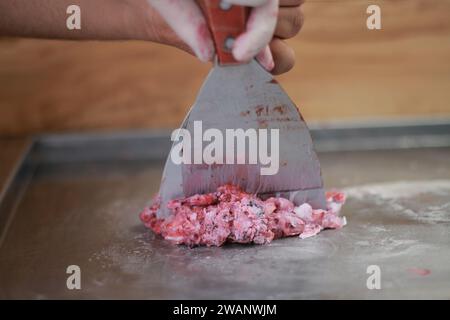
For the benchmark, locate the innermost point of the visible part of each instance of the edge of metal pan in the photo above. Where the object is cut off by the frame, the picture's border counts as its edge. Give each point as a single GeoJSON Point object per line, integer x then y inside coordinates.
{"type": "Point", "coordinates": [328, 137]}
{"type": "Point", "coordinates": [379, 134]}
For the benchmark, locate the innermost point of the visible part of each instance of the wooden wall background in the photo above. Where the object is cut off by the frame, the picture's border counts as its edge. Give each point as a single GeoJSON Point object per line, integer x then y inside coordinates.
{"type": "Point", "coordinates": [343, 71]}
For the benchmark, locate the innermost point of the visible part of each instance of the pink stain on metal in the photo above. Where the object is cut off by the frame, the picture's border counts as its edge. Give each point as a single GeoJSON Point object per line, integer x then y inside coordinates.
{"type": "Point", "coordinates": [419, 271]}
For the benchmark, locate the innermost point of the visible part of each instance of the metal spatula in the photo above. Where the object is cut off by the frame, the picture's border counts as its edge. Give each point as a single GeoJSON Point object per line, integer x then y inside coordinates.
{"type": "Point", "coordinates": [244, 96]}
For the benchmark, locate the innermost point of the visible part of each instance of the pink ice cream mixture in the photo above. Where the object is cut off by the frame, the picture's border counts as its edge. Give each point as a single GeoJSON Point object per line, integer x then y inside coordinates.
{"type": "Point", "coordinates": [231, 215]}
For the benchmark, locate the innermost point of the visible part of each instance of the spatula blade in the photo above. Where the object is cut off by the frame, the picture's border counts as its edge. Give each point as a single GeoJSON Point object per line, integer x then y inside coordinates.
{"type": "Point", "coordinates": [247, 97]}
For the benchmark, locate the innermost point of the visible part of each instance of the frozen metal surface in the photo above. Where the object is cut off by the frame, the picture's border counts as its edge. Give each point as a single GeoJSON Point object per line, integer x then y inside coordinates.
{"type": "Point", "coordinates": [86, 213]}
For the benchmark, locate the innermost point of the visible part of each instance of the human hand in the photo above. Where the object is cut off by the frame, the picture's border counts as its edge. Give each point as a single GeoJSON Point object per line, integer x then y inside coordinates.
{"type": "Point", "coordinates": [137, 20]}
{"type": "Point", "coordinates": [270, 22]}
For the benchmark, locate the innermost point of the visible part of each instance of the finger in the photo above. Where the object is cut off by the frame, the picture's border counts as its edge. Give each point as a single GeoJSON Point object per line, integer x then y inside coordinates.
{"type": "Point", "coordinates": [260, 27]}
{"type": "Point", "coordinates": [290, 21]}
{"type": "Point", "coordinates": [188, 22]}
{"type": "Point", "coordinates": [248, 3]}
{"type": "Point", "coordinates": [265, 58]}
{"type": "Point", "coordinates": [283, 56]}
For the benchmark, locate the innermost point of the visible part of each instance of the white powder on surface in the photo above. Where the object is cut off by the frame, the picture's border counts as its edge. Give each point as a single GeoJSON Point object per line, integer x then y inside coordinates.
{"type": "Point", "coordinates": [400, 189]}
{"type": "Point", "coordinates": [424, 200]}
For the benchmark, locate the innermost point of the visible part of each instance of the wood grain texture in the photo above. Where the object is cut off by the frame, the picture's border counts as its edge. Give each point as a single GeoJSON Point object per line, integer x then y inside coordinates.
{"type": "Point", "coordinates": [343, 71]}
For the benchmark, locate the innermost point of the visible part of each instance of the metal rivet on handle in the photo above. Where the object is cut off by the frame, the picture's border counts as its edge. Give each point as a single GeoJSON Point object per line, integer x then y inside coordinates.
{"type": "Point", "coordinates": [229, 42]}
{"type": "Point", "coordinates": [224, 5]}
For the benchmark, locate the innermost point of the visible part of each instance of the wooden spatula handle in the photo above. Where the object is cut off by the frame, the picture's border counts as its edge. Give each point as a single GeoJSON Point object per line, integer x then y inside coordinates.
{"type": "Point", "coordinates": [226, 22]}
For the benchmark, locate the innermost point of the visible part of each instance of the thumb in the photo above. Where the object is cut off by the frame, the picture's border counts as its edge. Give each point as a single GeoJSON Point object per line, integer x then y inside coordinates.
{"type": "Point", "coordinates": [188, 22]}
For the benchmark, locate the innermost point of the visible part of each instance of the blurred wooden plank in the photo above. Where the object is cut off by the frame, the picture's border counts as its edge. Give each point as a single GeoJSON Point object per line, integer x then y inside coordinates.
{"type": "Point", "coordinates": [57, 85]}
{"type": "Point", "coordinates": [343, 71]}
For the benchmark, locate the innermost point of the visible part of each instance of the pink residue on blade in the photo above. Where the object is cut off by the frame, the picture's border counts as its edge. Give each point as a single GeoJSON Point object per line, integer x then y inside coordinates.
{"type": "Point", "coordinates": [420, 271]}
{"type": "Point", "coordinates": [231, 215]}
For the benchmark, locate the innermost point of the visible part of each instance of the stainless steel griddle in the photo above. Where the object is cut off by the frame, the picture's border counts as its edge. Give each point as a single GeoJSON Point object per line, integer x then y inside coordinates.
{"type": "Point", "coordinates": [74, 200]}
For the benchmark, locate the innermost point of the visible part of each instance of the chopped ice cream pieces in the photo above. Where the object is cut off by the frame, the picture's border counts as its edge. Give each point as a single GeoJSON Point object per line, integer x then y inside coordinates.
{"type": "Point", "coordinates": [231, 215]}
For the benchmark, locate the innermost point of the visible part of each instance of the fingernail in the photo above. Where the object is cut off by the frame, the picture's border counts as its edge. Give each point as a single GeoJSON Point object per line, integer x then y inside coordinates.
{"type": "Point", "coordinates": [265, 58]}
{"type": "Point", "coordinates": [240, 52]}
{"type": "Point", "coordinates": [204, 45]}
{"type": "Point", "coordinates": [205, 53]}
